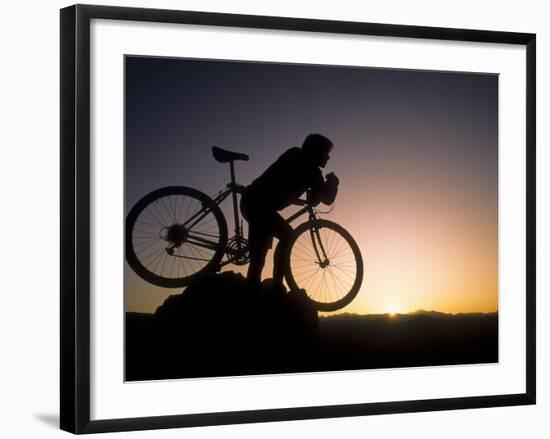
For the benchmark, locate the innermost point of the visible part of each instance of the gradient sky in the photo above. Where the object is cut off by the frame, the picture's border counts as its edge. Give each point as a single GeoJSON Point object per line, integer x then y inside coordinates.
{"type": "Point", "coordinates": [416, 153]}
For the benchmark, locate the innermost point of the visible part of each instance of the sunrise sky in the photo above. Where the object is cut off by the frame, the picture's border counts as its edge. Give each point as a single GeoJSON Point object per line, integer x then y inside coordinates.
{"type": "Point", "coordinates": [416, 153]}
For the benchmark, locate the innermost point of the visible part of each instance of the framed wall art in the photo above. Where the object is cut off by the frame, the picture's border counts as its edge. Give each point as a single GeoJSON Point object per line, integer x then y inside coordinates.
{"type": "Point", "coordinates": [272, 218]}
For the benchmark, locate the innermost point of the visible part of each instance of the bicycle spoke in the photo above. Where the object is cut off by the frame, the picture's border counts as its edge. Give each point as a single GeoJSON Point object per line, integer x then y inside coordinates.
{"type": "Point", "coordinates": [152, 215]}
{"type": "Point", "coordinates": [151, 218]}
{"type": "Point", "coordinates": [175, 208]}
{"type": "Point", "coordinates": [137, 240]}
{"type": "Point", "coordinates": [340, 280]}
{"type": "Point", "coordinates": [309, 269]}
{"type": "Point", "coordinates": [184, 219]}
{"type": "Point", "coordinates": [151, 254]}
{"type": "Point", "coordinates": [196, 256]}
{"type": "Point", "coordinates": [345, 273]}
{"type": "Point", "coordinates": [158, 211]}
{"type": "Point", "coordinates": [147, 223]}
{"type": "Point", "coordinates": [162, 203]}
{"type": "Point", "coordinates": [141, 250]}
{"type": "Point", "coordinates": [156, 260]}
{"type": "Point", "coordinates": [311, 279]}
{"type": "Point", "coordinates": [172, 268]}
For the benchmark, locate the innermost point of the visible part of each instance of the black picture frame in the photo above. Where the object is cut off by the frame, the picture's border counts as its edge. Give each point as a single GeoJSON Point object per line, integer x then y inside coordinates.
{"type": "Point", "coordinates": [75, 217]}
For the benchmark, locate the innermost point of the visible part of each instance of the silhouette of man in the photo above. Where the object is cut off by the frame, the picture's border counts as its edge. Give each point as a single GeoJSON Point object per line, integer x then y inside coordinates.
{"type": "Point", "coordinates": [296, 171]}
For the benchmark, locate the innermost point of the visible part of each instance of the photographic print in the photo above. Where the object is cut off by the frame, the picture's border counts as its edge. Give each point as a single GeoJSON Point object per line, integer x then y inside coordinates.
{"type": "Point", "coordinates": [288, 218]}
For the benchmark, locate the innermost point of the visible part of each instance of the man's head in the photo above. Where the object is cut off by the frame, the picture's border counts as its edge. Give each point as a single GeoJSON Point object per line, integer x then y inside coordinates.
{"type": "Point", "coordinates": [317, 148]}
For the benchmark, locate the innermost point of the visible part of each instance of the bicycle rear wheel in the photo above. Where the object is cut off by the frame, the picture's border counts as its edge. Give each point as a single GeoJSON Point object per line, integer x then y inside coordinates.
{"type": "Point", "coordinates": [325, 261]}
{"type": "Point", "coordinates": [175, 235]}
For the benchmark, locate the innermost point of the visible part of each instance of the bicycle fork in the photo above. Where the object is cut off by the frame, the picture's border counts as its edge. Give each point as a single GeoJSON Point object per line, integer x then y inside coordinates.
{"type": "Point", "coordinates": [320, 253]}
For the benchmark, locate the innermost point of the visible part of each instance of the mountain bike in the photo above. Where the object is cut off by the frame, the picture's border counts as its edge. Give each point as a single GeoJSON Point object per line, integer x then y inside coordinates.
{"type": "Point", "coordinates": [176, 234]}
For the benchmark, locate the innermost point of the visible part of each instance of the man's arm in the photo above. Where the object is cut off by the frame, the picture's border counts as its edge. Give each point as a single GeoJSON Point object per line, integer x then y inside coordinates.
{"type": "Point", "coordinates": [323, 191]}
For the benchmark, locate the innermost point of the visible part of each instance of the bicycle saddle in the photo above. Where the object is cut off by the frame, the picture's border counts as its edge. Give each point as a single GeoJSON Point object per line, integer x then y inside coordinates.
{"type": "Point", "coordinates": [224, 156]}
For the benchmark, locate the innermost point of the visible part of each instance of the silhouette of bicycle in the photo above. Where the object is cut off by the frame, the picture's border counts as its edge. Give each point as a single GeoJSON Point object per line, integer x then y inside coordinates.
{"type": "Point", "coordinates": [176, 234]}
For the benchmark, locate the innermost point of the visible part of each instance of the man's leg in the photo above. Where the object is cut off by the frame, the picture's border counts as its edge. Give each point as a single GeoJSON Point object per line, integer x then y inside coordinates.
{"type": "Point", "coordinates": [283, 231]}
{"type": "Point", "coordinates": [259, 245]}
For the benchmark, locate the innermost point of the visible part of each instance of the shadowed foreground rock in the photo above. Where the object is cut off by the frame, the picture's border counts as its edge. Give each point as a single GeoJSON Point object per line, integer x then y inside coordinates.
{"type": "Point", "coordinates": [218, 326]}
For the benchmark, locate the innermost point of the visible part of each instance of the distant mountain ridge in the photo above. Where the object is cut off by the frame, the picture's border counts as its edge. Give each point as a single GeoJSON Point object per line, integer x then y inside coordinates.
{"type": "Point", "coordinates": [419, 312]}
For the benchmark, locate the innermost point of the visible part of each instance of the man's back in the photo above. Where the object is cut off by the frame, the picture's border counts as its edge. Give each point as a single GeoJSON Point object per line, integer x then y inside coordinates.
{"type": "Point", "coordinates": [285, 180]}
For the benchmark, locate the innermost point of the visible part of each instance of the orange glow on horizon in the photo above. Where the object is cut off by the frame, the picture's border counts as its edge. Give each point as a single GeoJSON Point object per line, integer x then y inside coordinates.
{"type": "Point", "coordinates": [415, 257]}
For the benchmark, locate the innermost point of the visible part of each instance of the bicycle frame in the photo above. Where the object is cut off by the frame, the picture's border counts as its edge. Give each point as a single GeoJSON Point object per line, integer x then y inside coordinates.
{"type": "Point", "coordinates": [233, 188]}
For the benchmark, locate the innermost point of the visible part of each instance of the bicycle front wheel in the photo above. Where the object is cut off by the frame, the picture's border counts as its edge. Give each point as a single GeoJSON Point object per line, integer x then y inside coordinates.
{"type": "Point", "coordinates": [325, 261]}
{"type": "Point", "coordinates": [175, 235]}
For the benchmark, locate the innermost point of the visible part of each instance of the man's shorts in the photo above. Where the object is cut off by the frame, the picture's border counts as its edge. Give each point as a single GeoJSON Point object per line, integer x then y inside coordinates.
{"type": "Point", "coordinates": [264, 222]}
